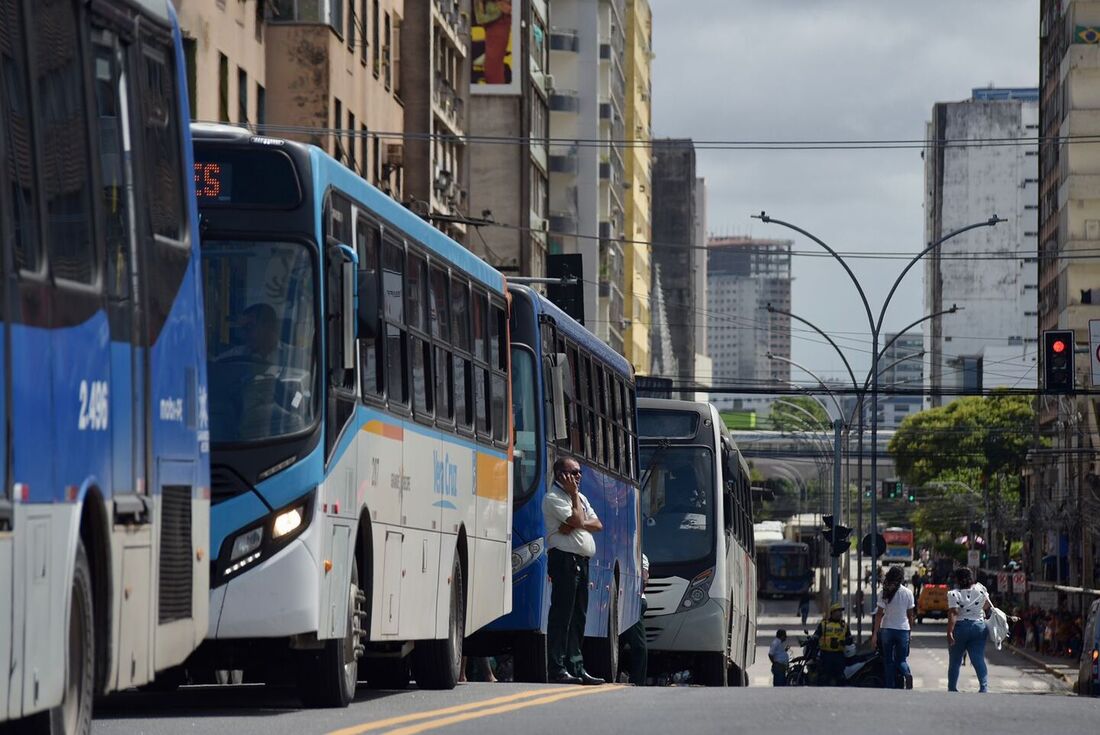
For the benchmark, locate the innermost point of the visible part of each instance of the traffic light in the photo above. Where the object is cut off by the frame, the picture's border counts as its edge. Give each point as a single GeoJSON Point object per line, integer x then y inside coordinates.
{"type": "Point", "coordinates": [1058, 360]}
{"type": "Point", "coordinates": [835, 535]}
{"type": "Point", "coordinates": [892, 489]}
{"type": "Point", "coordinates": [911, 496]}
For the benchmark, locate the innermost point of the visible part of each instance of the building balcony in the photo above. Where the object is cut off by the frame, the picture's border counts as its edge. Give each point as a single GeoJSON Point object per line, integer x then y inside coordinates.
{"type": "Point", "coordinates": [449, 106]}
{"type": "Point", "coordinates": [605, 51]}
{"type": "Point", "coordinates": [563, 223]}
{"type": "Point", "coordinates": [605, 110]}
{"type": "Point", "coordinates": [565, 100]}
{"type": "Point", "coordinates": [563, 160]}
{"type": "Point", "coordinates": [605, 169]}
{"type": "Point", "coordinates": [454, 22]}
{"type": "Point", "coordinates": [565, 39]}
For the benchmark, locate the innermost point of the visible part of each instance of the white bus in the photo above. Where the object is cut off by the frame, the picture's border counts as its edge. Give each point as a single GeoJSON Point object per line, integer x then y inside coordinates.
{"type": "Point", "coordinates": [698, 535]}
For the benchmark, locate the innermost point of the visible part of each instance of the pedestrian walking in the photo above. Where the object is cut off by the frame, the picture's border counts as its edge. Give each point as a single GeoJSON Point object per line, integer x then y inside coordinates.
{"type": "Point", "coordinates": [570, 522]}
{"type": "Point", "coordinates": [633, 640]}
{"type": "Point", "coordinates": [804, 608]}
{"type": "Point", "coordinates": [780, 655]}
{"type": "Point", "coordinates": [892, 626]}
{"type": "Point", "coordinates": [967, 608]}
{"type": "Point", "coordinates": [918, 582]}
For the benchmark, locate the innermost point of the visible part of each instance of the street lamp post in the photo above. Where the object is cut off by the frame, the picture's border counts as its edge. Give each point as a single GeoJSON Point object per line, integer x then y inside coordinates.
{"type": "Point", "coordinates": [875, 327]}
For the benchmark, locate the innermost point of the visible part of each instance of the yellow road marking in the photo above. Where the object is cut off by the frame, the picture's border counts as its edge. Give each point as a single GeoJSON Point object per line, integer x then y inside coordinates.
{"type": "Point", "coordinates": [402, 719]}
{"type": "Point", "coordinates": [455, 719]}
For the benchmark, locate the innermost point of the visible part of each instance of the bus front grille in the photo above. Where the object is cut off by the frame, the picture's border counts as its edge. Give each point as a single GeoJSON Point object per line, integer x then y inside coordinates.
{"type": "Point", "coordinates": [175, 588]}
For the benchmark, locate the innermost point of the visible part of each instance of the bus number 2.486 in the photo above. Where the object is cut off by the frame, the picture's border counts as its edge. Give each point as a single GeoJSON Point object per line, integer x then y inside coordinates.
{"type": "Point", "coordinates": [94, 406]}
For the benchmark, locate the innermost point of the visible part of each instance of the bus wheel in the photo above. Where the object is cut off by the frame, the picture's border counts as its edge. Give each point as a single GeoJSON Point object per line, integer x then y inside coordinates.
{"type": "Point", "coordinates": [436, 664]}
{"type": "Point", "coordinates": [74, 715]}
{"type": "Point", "coordinates": [710, 669]}
{"type": "Point", "coordinates": [529, 658]}
{"type": "Point", "coordinates": [328, 677]}
{"type": "Point", "coordinates": [601, 655]}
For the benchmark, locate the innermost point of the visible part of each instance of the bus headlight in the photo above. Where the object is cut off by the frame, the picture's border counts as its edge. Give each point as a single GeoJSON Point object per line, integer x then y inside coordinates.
{"type": "Point", "coordinates": [524, 556]}
{"type": "Point", "coordinates": [698, 592]}
{"type": "Point", "coordinates": [288, 521]}
{"type": "Point", "coordinates": [246, 543]}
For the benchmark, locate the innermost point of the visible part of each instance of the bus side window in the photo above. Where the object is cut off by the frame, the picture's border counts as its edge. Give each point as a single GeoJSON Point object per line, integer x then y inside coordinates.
{"type": "Point", "coordinates": [64, 164]}
{"type": "Point", "coordinates": [393, 288]}
{"type": "Point", "coordinates": [603, 437]}
{"type": "Point", "coordinates": [114, 157]}
{"type": "Point", "coordinates": [498, 371]}
{"type": "Point", "coordinates": [371, 364]}
{"type": "Point", "coordinates": [440, 316]}
{"type": "Point", "coordinates": [17, 166]}
{"type": "Point", "coordinates": [576, 408]}
{"type": "Point", "coordinates": [479, 320]}
{"type": "Point", "coordinates": [420, 348]}
{"type": "Point", "coordinates": [616, 424]}
{"type": "Point", "coordinates": [463, 370]}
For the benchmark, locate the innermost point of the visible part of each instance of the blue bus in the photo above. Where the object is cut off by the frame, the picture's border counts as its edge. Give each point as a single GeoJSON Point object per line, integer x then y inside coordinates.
{"type": "Point", "coordinates": [104, 502]}
{"type": "Point", "coordinates": [572, 396]}
{"type": "Point", "coordinates": [361, 441]}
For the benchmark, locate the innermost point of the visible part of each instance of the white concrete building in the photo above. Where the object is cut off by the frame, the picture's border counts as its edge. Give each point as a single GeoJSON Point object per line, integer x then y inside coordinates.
{"type": "Point", "coordinates": [901, 368]}
{"type": "Point", "coordinates": [989, 272]}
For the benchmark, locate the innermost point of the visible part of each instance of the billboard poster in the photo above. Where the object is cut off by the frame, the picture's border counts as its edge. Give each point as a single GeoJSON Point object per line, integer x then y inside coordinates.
{"type": "Point", "coordinates": [495, 47]}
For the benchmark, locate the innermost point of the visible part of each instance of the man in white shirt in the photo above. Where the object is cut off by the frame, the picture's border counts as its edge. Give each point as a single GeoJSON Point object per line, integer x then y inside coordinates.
{"type": "Point", "coordinates": [780, 656]}
{"type": "Point", "coordinates": [570, 523]}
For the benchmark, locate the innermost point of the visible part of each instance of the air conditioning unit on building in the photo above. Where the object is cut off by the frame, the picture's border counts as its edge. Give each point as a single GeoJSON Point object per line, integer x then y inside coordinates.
{"type": "Point", "coordinates": [548, 82]}
{"type": "Point", "coordinates": [395, 155]}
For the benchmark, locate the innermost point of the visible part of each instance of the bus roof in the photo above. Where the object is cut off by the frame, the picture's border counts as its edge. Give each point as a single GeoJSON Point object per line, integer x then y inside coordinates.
{"type": "Point", "coordinates": [327, 170]}
{"type": "Point", "coordinates": [576, 331]}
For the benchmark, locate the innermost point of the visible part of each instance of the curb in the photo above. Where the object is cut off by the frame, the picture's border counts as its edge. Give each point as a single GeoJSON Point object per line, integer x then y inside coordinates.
{"type": "Point", "coordinates": [1038, 662]}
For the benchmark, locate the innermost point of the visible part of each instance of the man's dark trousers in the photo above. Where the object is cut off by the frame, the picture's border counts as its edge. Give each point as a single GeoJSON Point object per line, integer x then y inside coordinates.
{"type": "Point", "coordinates": [634, 639]}
{"type": "Point", "coordinates": [568, 606]}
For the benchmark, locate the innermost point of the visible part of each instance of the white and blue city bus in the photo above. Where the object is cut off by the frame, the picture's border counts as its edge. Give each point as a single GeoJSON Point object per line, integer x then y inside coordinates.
{"type": "Point", "coordinates": [104, 503]}
{"type": "Point", "coordinates": [360, 434]}
{"type": "Point", "coordinates": [572, 396]}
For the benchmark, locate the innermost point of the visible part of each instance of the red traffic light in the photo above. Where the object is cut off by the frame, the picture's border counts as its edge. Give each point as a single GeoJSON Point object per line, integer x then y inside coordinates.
{"type": "Point", "coordinates": [1058, 346]}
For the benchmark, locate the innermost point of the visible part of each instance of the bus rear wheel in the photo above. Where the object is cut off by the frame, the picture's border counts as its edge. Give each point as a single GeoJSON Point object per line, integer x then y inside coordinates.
{"type": "Point", "coordinates": [74, 715]}
{"type": "Point", "coordinates": [437, 664]}
{"type": "Point", "coordinates": [329, 677]}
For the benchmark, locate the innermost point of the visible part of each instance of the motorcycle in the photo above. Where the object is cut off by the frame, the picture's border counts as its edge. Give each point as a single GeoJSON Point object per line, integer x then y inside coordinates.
{"type": "Point", "coordinates": [860, 669]}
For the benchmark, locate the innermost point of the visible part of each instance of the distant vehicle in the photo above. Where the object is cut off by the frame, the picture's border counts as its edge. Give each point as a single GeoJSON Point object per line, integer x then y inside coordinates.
{"type": "Point", "coordinates": [899, 546]}
{"type": "Point", "coordinates": [932, 602]}
{"type": "Point", "coordinates": [782, 568]}
{"type": "Point", "coordinates": [767, 531]}
{"type": "Point", "coordinates": [105, 502]}
{"type": "Point", "coordinates": [698, 535]}
{"type": "Point", "coordinates": [1088, 677]}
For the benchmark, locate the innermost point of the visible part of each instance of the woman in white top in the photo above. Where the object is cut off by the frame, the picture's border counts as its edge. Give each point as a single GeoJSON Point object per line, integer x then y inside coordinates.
{"type": "Point", "coordinates": [967, 608]}
{"type": "Point", "coordinates": [893, 625]}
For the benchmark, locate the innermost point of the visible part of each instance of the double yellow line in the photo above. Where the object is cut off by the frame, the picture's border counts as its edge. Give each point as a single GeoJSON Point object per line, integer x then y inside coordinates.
{"type": "Point", "coordinates": [418, 722]}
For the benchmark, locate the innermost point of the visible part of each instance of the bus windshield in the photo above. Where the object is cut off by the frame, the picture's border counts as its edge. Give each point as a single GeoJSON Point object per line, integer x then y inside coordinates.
{"type": "Point", "coordinates": [678, 503]}
{"type": "Point", "coordinates": [786, 563]}
{"type": "Point", "coordinates": [528, 431]}
{"type": "Point", "coordinates": [261, 339]}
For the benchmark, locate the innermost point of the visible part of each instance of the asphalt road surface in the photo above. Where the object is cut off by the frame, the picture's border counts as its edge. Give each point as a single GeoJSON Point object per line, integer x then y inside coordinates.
{"type": "Point", "coordinates": [1025, 701]}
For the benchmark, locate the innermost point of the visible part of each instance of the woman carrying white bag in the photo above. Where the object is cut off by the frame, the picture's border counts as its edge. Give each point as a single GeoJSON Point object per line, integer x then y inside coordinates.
{"type": "Point", "coordinates": [968, 606]}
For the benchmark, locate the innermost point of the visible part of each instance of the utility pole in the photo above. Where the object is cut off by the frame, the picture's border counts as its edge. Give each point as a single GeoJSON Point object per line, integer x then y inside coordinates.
{"type": "Point", "coordinates": [838, 430]}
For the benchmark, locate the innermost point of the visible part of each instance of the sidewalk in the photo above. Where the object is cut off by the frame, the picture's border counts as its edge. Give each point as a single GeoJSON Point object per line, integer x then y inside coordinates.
{"type": "Point", "coordinates": [1064, 669]}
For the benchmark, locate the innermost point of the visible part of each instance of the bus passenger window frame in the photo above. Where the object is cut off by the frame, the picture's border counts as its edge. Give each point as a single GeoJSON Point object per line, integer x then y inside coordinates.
{"type": "Point", "coordinates": [394, 326]}
{"type": "Point", "coordinates": [500, 414]}
{"type": "Point", "coordinates": [439, 318]}
{"type": "Point", "coordinates": [368, 245]}
{"type": "Point", "coordinates": [461, 361]}
{"type": "Point", "coordinates": [419, 340]}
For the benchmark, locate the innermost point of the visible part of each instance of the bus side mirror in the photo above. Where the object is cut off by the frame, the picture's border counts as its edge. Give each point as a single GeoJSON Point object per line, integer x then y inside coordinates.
{"type": "Point", "coordinates": [556, 367]}
{"type": "Point", "coordinates": [727, 508]}
{"type": "Point", "coordinates": [367, 308]}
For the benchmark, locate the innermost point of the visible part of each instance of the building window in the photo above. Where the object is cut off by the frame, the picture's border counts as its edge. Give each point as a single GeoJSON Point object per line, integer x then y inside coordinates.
{"type": "Point", "coordinates": [261, 104]}
{"type": "Point", "coordinates": [242, 96]}
{"type": "Point", "coordinates": [336, 15]}
{"type": "Point", "coordinates": [261, 5]}
{"type": "Point", "coordinates": [363, 31]}
{"type": "Point", "coordinates": [352, 142]}
{"type": "Point", "coordinates": [376, 48]}
{"type": "Point", "coordinates": [190, 46]}
{"type": "Point", "coordinates": [386, 51]}
{"type": "Point", "coordinates": [364, 171]}
{"type": "Point", "coordinates": [223, 88]}
{"type": "Point", "coordinates": [337, 133]}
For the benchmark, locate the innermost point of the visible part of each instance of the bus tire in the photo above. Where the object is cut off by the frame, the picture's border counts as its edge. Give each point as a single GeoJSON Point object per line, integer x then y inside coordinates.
{"type": "Point", "coordinates": [437, 664]}
{"type": "Point", "coordinates": [529, 658]}
{"type": "Point", "coordinates": [711, 669]}
{"type": "Point", "coordinates": [74, 715]}
{"type": "Point", "coordinates": [601, 655]}
{"type": "Point", "coordinates": [328, 677]}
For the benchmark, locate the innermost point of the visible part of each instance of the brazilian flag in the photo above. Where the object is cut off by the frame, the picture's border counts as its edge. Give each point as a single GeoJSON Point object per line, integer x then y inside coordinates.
{"type": "Point", "coordinates": [1087, 34]}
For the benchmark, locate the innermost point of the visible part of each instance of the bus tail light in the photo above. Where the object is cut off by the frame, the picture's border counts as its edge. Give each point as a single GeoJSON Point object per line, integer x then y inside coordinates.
{"type": "Point", "coordinates": [524, 556]}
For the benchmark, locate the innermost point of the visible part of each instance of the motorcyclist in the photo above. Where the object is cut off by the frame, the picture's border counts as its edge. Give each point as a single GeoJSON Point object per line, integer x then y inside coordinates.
{"type": "Point", "coordinates": [832, 636]}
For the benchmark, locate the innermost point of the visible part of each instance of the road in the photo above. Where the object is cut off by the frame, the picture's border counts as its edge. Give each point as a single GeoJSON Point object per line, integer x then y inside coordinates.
{"type": "Point", "coordinates": [476, 709]}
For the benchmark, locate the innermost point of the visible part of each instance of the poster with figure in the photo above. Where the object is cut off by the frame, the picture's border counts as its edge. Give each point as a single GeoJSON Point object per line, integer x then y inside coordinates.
{"type": "Point", "coordinates": [495, 47]}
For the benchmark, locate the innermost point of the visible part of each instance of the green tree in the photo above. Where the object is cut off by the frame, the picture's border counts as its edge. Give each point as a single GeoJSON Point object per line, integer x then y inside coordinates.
{"type": "Point", "coordinates": [786, 417]}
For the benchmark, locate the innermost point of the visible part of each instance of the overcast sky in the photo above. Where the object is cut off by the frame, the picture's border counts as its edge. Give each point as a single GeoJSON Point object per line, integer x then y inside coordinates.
{"type": "Point", "coordinates": [829, 70]}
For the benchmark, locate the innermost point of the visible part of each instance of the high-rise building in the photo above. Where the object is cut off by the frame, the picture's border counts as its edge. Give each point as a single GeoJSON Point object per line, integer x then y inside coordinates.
{"type": "Point", "coordinates": [677, 256]}
{"type": "Point", "coordinates": [638, 229]}
{"type": "Point", "coordinates": [435, 90]}
{"type": "Point", "coordinates": [586, 179]}
{"type": "Point", "coordinates": [510, 122]}
{"type": "Point", "coordinates": [900, 368]}
{"type": "Point", "coordinates": [744, 275]}
{"type": "Point", "coordinates": [989, 272]}
{"type": "Point", "coordinates": [224, 49]}
{"type": "Point", "coordinates": [1060, 496]}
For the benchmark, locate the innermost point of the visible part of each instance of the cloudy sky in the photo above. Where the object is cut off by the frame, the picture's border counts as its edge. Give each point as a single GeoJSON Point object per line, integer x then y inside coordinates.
{"type": "Point", "coordinates": [829, 70]}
